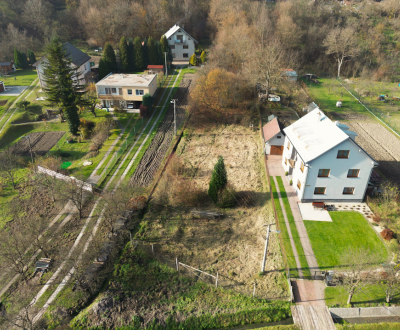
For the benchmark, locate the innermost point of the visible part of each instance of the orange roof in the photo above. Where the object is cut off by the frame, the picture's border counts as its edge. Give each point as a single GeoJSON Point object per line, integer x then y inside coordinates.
{"type": "Point", "coordinates": [155, 66]}
{"type": "Point", "coordinates": [271, 129]}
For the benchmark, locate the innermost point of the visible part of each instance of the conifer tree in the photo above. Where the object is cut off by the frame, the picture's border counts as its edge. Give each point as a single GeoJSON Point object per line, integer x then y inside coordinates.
{"type": "Point", "coordinates": [131, 58]}
{"type": "Point", "coordinates": [32, 57]}
{"type": "Point", "coordinates": [193, 60]}
{"type": "Point", "coordinates": [59, 76]}
{"type": "Point", "coordinates": [160, 55]}
{"type": "Point", "coordinates": [166, 48]}
{"type": "Point", "coordinates": [103, 69]}
{"type": "Point", "coordinates": [152, 51]}
{"type": "Point", "coordinates": [24, 59]}
{"type": "Point", "coordinates": [138, 54]}
{"type": "Point", "coordinates": [109, 57]}
{"type": "Point", "coordinates": [203, 57]}
{"type": "Point", "coordinates": [18, 59]}
{"type": "Point", "coordinates": [124, 55]}
{"type": "Point", "coordinates": [219, 179]}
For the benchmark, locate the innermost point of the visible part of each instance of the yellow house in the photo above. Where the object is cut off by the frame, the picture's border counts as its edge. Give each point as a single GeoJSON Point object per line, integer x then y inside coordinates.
{"type": "Point", "coordinates": [125, 90]}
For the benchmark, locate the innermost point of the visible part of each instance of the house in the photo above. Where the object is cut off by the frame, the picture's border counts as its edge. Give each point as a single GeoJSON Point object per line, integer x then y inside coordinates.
{"type": "Point", "coordinates": [156, 68]}
{"type": "Point", "coordinates": [274, 138]}
{"type": "Point", "coordinates": [2, 87]}
{"type": "Point", "coordinates": [290, 74]}
{"type": "Point", "coordinates": [125, 90]}
{"type": "Point", "coordinates": [7, 67]}
{"type": "Point", "coordinates": [181, 43]}
{"type": "Point", "coordinates": [79, 60]}
{"type": "Point", "coordinates": [324, 162]}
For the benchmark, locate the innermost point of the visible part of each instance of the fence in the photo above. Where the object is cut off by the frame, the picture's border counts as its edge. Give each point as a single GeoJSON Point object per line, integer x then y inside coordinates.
{"type": "Point", "coordinates": [59, 176]}
{"type": "Point", "coordinates": [371, 109]}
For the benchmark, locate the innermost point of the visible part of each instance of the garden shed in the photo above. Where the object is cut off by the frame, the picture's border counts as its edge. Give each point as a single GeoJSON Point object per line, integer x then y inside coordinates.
{"type": "Point", "coordinates": [274, 137]}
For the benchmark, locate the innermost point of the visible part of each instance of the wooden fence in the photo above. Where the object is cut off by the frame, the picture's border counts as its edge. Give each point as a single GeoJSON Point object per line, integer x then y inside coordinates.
{"type": "Point", "coordinates": [81, 184]}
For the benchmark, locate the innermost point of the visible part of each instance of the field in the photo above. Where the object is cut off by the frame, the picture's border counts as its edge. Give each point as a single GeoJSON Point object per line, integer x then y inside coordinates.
{"type": "Point", "coordinates": [348, 230]}
{"type": "Point", "coordinates": [39, 143]}
{"type": "Point", "coordinates": [20, 77]}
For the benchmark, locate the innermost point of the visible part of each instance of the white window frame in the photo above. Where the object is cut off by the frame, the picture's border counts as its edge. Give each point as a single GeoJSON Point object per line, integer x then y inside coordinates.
{"type": "Point", "coordinates": [140, 92]}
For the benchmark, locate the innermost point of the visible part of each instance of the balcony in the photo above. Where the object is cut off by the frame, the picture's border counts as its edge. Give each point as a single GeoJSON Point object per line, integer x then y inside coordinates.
{"type": "Point", "coordinates": [180, 42]}
{"type": "Point", "coordinates": [110, 97]}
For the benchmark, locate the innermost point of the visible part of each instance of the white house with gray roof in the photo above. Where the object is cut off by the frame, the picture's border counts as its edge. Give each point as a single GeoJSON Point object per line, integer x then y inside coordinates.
{"type": "Point", "coordinates": [181, 43]}
{"type": "Point", "coordinates": [79, 60]}
{"type": "Point", "coordinates": [324, 161]}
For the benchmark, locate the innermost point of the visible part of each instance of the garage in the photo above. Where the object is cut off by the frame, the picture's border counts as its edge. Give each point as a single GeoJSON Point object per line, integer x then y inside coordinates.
{"type": "Point", "coordinates": [276, 150]}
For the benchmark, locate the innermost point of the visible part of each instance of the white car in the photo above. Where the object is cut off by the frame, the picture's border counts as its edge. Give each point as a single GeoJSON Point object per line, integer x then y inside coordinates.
{"type": "Point", "coordinates": [274, 98]}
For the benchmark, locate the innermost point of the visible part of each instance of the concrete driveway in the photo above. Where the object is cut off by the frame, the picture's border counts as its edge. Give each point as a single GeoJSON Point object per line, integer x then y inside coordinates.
{"type": "Point", "coordinates": [13, 90]}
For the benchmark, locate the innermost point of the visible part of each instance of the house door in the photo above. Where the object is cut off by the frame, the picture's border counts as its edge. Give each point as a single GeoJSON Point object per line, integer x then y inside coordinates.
{"type": "Point", "coordinates": [276, 150]}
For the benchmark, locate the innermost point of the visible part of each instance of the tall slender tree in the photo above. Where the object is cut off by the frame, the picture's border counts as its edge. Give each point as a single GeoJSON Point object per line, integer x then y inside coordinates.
{"type": "Point", "coordinates": [138, 54]}
{"type": "Point", "coordinates": [32, 57]}
{"type": "Point", "coordinates": [124, 55]}
{"type": "Point", "coordinates": [25, 63]}
{"type": "Point", "coordinates": [63, 87]}
{"type": "Point", "coordinates": [160, 55]}
{"type": "Point", "coordinates": [131, 58]}
{"type": "Point", "coordinates": [104, 69]}
{"type": "Point", "coordinates": [109, 57]}
{"type": "Point", "coordinates": [152, 51]}
{"type": "Point", "coordinates": [18, 59]}
{"type": "Point", "coordinates": [166, 48]}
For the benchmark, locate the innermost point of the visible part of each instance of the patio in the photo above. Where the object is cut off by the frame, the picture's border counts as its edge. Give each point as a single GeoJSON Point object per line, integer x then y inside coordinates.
{"type": "Point", "coordinates": [309, 212]}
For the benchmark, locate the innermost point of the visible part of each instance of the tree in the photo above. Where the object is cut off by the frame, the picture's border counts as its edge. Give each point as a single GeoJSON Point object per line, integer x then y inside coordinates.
{"type": "Point", "coordinates": [165, 48]}
{"type": "Point", "coordinates": [138, 54]}
{"type": "Point", "coordinates": [32, 57]}
{"type": "Point", "coordinates": [104, 69]}
{"type": "Point", "coordinates": [124, 55]}
{"type": "Point", "coordinates": [131, 59]}
{"type": "Point", "coordinates": [62, 83]}
{"type": "Point", "coordinates": [91, 98]}
{"type": "Point", "coordinates": [219, 180]}
{"type": "Point", "coordinates": [9, 164]}
{"type": "Point", "coordinates": [193, 60]}
{"type": "Point", "coordinates": [203, 57]}
{"type": "Point", "coordinates": [147, 100]}
{"type": "Point", "coordinates": [342, 43]}
{"type": "Point", "coordinates": [145, 51]}
{"type": "Point", "coordinates": [389, 280]}
{"type": "Point", "coordinates": [109, 57]}
{"type": "Point", "coordinates": [23, 104]}
{"type": "Point", "coordinates": [152, 51]}
{"type": "Point", "coordinates": [73, 191]}
{"type": "Point", "coordinates": [25, 63]}
{"type": "Point", "coordinates": [18, 60]}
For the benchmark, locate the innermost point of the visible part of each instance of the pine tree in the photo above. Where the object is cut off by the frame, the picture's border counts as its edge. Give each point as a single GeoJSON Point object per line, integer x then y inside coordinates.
{"type": "Point", "coordinates": [103, 69]}
{"type": "Point", "coordinates": [124, 55]}
{"type": "Point", "coordinates": [138, 54]}
{"type": "Point", "coordinates": [160, 55]}
{"type": "Point", "coordinates": [18, 59]}
{"type": "Point", "coordinates": [131, 58]}
{"type": "Point", "coordinates": [109, 57]}
{"type": "Point", "coordinates": [193, 60]}
{"type": "Point", "coordinates": [166, 48]}
{"type": "Point", "coordinates": [32, 57]}
{"type": "Point", "coordinates": [203, 57]}
{"type": "Point", "coordinates": [145, 54]}
{"type": "Point", "coordinates": [59, 76]}
{"type": "Point", "coordinates": [152, 51]}
{"type": "Point", "coordinates": [24, 59]}
{"type": "Point", "coordinates": [219, 180]}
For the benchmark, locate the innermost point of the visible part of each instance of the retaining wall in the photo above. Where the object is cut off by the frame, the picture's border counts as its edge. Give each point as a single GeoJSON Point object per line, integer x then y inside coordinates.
{"type": "Point", "coordinates": [364, 312]}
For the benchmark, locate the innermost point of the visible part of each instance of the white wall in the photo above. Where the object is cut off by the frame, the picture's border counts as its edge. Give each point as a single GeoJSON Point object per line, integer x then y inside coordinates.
{"type": "Point", "coordinates": [179, 51]}
{"type": "Point", "coordinates": [275, 141]}
{"type": "Point", "coordinates": [338, 179]}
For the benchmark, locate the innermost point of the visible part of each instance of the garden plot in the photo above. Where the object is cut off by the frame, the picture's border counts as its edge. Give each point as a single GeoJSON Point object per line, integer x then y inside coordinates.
{"type": "Point", "coordinates": [154, 155]}
{"type": "Point", "coordinates": [40, 142]}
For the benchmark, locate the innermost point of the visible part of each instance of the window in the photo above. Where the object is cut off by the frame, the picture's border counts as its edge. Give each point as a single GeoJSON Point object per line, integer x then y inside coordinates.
{"type": "Point", "coordinates": [185, 55]}
{"type": "Point", "coordinates": [139, 92]}
{"type": "Point", "coordinates": [302, 167]}
{"type": "Point", "coordinates": [298, 184]}
{"type": "Point", "coordinates": [120, 91]}
{"type": "Point", "coordinates": [185, 47]}
{"type": "Point", "coordinates": [319, 190]}
{"type": "Point", "coordinates": [172, 46]}
{"type": "Point", "coordinates": [288, 145]}
{"type": "Point", "coordinates": [279, 137]}
{"type": "Point", "coordinates": [348, 191]}
{"type": "Point", "coordinates": [323, 173]}
{"type": "Point", "coordinates": [179, 38]}
{"type": "Point", "coordinates": [113, 90]}
{"type": "Point", "coordinates": [129, 92]}
{"type": "Point", "coordinates": [353, 173]}
{"type": "Point", "coordinates": [108, 90]}
{"type": "Point", "coordinates": [285, 161]}
{"type": "Point", "coordinates": [343, 154]}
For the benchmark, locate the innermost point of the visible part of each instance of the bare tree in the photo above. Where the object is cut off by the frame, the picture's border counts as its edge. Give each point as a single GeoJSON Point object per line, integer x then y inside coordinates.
{"type": "Point", "coordinates": [358, 265]}
{"type": "Point", "coordinates": [389, 280]}
{"type": "Point", "coordinates": [75, 192]}
{"type": "Point", "coordinates": [342, 43]}
{"type": "Point", "coordinates": [9, 164]}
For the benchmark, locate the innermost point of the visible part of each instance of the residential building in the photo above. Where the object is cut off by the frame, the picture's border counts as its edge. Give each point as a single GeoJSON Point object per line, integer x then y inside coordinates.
{"type": "Point", "coordinates": [79, 60]}
{"type": "Point", "coordinates": [324, 161]}
{"type": "Point", "coordinates": [125, 90]}
{"type": "Point", "coordinates": [181, 43]}
{"type": "Point", "coordinates": [274, 137]}
{"type": "Point", "coordinates": [7, 67]}
{"type": "Point", "coordinates": [290, 74]}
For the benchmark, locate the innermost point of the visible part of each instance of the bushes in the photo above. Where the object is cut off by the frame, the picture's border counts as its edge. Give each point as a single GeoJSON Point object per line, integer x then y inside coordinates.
{"type": "Point", "coordinates": [86, 128]}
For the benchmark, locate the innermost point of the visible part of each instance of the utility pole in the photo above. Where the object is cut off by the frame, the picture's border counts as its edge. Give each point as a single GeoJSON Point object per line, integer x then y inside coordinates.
{"type": "Point", "coordinates": [30, 147]}
{"type": "Point", "coordinates": [266, 247]}
{"type": "Point", "coordinates": [166, 67]}
{"type": "Point", "coordinates": [174, 102]}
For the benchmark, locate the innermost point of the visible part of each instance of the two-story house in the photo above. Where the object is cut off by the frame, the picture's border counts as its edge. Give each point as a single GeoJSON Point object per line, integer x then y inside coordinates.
{"type": "Point", "coordinates": [181, 43]}
{"type": "Point", "coordinates": [324, 162]}
{"type": "Point", "coordinates": [125, 90]}
{"type": "Point", "coordinates": [79, 60]}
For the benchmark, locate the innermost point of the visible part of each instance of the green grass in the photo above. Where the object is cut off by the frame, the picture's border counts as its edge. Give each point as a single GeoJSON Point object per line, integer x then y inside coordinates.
{"type": "Point", "coordinates": [24, 78]}
{"type": "Point", "coordinates": [372, 326]}
{"type": "Point", "coordinates": [293, 229]}
{"type": "Point", "coordinates": [287, 247]}
{"type": "Point", "coordinates": [370, 296]}
{"type": "Point", "coordinates": [348, 230]}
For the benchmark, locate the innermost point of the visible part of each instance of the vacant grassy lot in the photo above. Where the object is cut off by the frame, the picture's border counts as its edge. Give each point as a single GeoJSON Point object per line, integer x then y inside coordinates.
{"type": "Point", "coordinates": [348, 230]}
{"type": "Point", "coordinates": [371, 295]}
{"type": "Point", "coordinates": [20, 78]}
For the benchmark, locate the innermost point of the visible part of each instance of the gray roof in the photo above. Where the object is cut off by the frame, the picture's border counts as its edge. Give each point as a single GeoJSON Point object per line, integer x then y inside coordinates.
{"type": "Point", "coordinates": [76, 56]}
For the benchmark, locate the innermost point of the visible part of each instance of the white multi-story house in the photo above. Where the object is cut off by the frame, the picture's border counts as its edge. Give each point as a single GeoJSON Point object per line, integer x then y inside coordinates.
{"type": "Point", "coordinates": [324, 162]}
{"type": "Point", "coordinates": [78, 58]}
{"type": "Point", "coordinates": [125, 90]}
{"type": "Point", "coordinates": [181, 43]}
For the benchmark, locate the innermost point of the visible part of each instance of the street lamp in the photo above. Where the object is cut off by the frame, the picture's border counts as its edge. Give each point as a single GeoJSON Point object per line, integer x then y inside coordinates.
{"type": "Point", "coordinates": [174, 102]}
{"type": "Point", "coordinates": [266, 246]}
{"type": "Point", "coordinates": [30, 147]}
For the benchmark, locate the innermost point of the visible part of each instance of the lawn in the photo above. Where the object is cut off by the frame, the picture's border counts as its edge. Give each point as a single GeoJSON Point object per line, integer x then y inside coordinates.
{"type": "Point", "coordinates": [348, 230]}
{"type": "Point", "coordinates": [20, 78]}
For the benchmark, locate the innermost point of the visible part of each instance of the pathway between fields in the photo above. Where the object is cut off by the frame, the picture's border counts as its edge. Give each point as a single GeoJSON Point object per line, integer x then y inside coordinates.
{"type": "Point", "coordinates": [95, 228]}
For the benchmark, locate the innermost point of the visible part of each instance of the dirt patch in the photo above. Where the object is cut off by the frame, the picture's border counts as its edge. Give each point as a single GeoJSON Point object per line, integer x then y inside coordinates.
{"type": "Point", "coordinates": [40, 142]}
{"type": "Point", "coordinates": [3, 102]}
